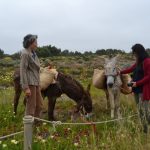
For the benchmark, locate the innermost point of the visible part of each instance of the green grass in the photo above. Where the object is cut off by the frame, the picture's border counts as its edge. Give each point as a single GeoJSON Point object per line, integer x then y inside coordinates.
{"type": "Point", "coordinates": [122, 135]}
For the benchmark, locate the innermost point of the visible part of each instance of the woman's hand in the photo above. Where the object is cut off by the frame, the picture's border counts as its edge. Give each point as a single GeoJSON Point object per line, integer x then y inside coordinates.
{"type": "Point", "coordinates": [134, 84]}
{"type": "Point", "coordinates": [118, 71]}
{"type": "Point", "coordinates": [27, 92]}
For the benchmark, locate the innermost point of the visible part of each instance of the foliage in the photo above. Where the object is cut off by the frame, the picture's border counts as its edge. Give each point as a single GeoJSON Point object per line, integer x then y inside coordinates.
{"type": "Point", "coordinates": [109, 52]}
{"type": "Point", "coordinates": [113, 136]}
{"type": "Point", "coordinates": [8, 62]}
{"type": "Point", "coordinates": [1, 53]}
{"type": "Point", "coordinates": [5, 78]}
{"type": "Point", "coordinates": [50, 51]}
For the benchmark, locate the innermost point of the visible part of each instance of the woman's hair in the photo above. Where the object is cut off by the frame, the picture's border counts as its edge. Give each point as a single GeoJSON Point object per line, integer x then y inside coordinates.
{"type": "Point", "coordinates": [28, 40]}
{"type": "Point", "coordinates": [140, 52]}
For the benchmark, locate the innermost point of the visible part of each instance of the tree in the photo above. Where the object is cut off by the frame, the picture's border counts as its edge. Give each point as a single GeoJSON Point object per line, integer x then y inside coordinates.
{"type": "Point", "coordinates": [148, 50]}
{"type": "Point", "coordinates": [1, 53]}
{"type": "Point", "coordinates": [16, 55]}
{"type": "Point", "coordinates": [77, 53]}
{"type": "Point", "coordinates": [65, 52]}
{"type": "Point", "coordinates": [88, 53]}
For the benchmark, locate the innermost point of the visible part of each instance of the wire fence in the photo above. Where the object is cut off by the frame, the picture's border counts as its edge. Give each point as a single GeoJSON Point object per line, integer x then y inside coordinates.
{"type": "Point", "coordinates": [11, 135]}
{"type": "Point", "coordinates": [83, 123]}
{"type": "Point", "coordinates": [28, 123]}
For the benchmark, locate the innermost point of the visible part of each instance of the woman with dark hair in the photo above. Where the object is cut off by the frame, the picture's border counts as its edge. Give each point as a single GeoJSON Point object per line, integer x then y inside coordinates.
{"type": "Point", "coordinates": [141, 83]}
{"type": "Point", "coordinates": [29, 74]}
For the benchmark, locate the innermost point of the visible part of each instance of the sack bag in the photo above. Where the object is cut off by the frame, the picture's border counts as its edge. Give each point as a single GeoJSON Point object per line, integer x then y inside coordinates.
{"type": "Point", "coordinates": [47, 77]}
{"type": "Point", "coordinates": [125, 89]}
{"type": "Point", "coordinates": [99, 79]}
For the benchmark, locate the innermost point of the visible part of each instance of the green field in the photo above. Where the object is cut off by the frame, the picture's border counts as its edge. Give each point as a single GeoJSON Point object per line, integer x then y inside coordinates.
{"type": "Point", "coordinates": [122, 135]}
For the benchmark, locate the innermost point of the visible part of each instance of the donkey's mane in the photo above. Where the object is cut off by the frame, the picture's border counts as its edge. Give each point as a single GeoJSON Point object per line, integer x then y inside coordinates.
{"type": "Point", "coordinates": [64, 77]}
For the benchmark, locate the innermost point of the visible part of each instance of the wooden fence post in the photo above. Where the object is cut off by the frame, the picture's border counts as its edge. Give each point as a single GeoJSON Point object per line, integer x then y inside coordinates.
{"type": "Point", "coordinates": [28, 122]}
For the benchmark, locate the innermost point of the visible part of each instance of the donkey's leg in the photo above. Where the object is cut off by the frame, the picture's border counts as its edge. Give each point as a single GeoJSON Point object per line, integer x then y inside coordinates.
{"type": "Point", "coordinates": [107, 99]}
{"type": "Point", "coordinates": [117, 105]}
{"type": "Point", "coordinates": [18, 91]}
{"type": "Point", "coordinates": [51, 106]}
{"type": "Point", "coordinates": [112, 103]}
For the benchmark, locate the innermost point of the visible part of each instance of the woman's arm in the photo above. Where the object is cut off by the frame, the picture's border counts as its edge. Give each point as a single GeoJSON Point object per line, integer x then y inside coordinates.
{"type": "Point", "coordinates": [23, 70]}
{"type": "Point", "coordinates": [128, 70]}
{"type": "Point", "coordinates": [146, 77]}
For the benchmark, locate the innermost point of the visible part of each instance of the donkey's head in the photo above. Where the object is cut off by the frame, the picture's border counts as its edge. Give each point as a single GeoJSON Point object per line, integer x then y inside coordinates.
{"type": "Point", "coordinates": [111, 71]}
{"type": "Point", "coordinates": [86, 102]}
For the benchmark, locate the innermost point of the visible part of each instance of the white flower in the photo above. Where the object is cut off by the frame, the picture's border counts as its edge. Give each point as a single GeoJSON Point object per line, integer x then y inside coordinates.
{"type": "Point", "coordinates": [52, 137]}
{"type": "Point", "coordinates": [76, 144]}
{"type": "Point", "coordinates": [44, 123]}
{"type": "Point", "coordinates": [39, 137]}
{"type": "Point", "coordinates": [122, 135]}
{"type": "Point", "coordinates": [43, 141]}
{"type": "Point", "coordinates": [4, 145]}
{"type": "Point", "coordinates": [14, 141]}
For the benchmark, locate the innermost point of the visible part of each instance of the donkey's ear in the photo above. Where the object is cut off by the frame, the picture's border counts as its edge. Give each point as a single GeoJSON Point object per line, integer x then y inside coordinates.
{"type": "Point", "coordinates": [106, 61]}
{"type": "Point", "coordinates": [89, 87]}
{"type": "Point", "coordinates": [115, 58]}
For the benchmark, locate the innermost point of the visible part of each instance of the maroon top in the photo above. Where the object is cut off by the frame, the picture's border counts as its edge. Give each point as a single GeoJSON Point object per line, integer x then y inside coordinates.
{"type": "Point", "coordinates": [145, 82]}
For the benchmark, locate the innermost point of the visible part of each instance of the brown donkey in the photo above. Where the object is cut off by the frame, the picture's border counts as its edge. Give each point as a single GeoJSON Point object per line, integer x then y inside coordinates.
{"type": "Point", "coordinates": [64, 84]}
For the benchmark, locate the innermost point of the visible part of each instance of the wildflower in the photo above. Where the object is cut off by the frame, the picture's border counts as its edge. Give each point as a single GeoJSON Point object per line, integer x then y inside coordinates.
{"type": "Point", "coordinates": [43, 141]}
{"type": "Point", "coordinates": [4, 145]}
{"type": "Point", "coordinates": [122, 135]}
{"type": "Point", "coordinates": [76, 144]}
{"type": "Point", "coordinates": [14, 141]}
{"type": "Point", "coordinates": [39, 137]}
{"type": "Point", "coordinates": [52, 137]}
{"type": "Point", "coordinates": [44, 123]}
